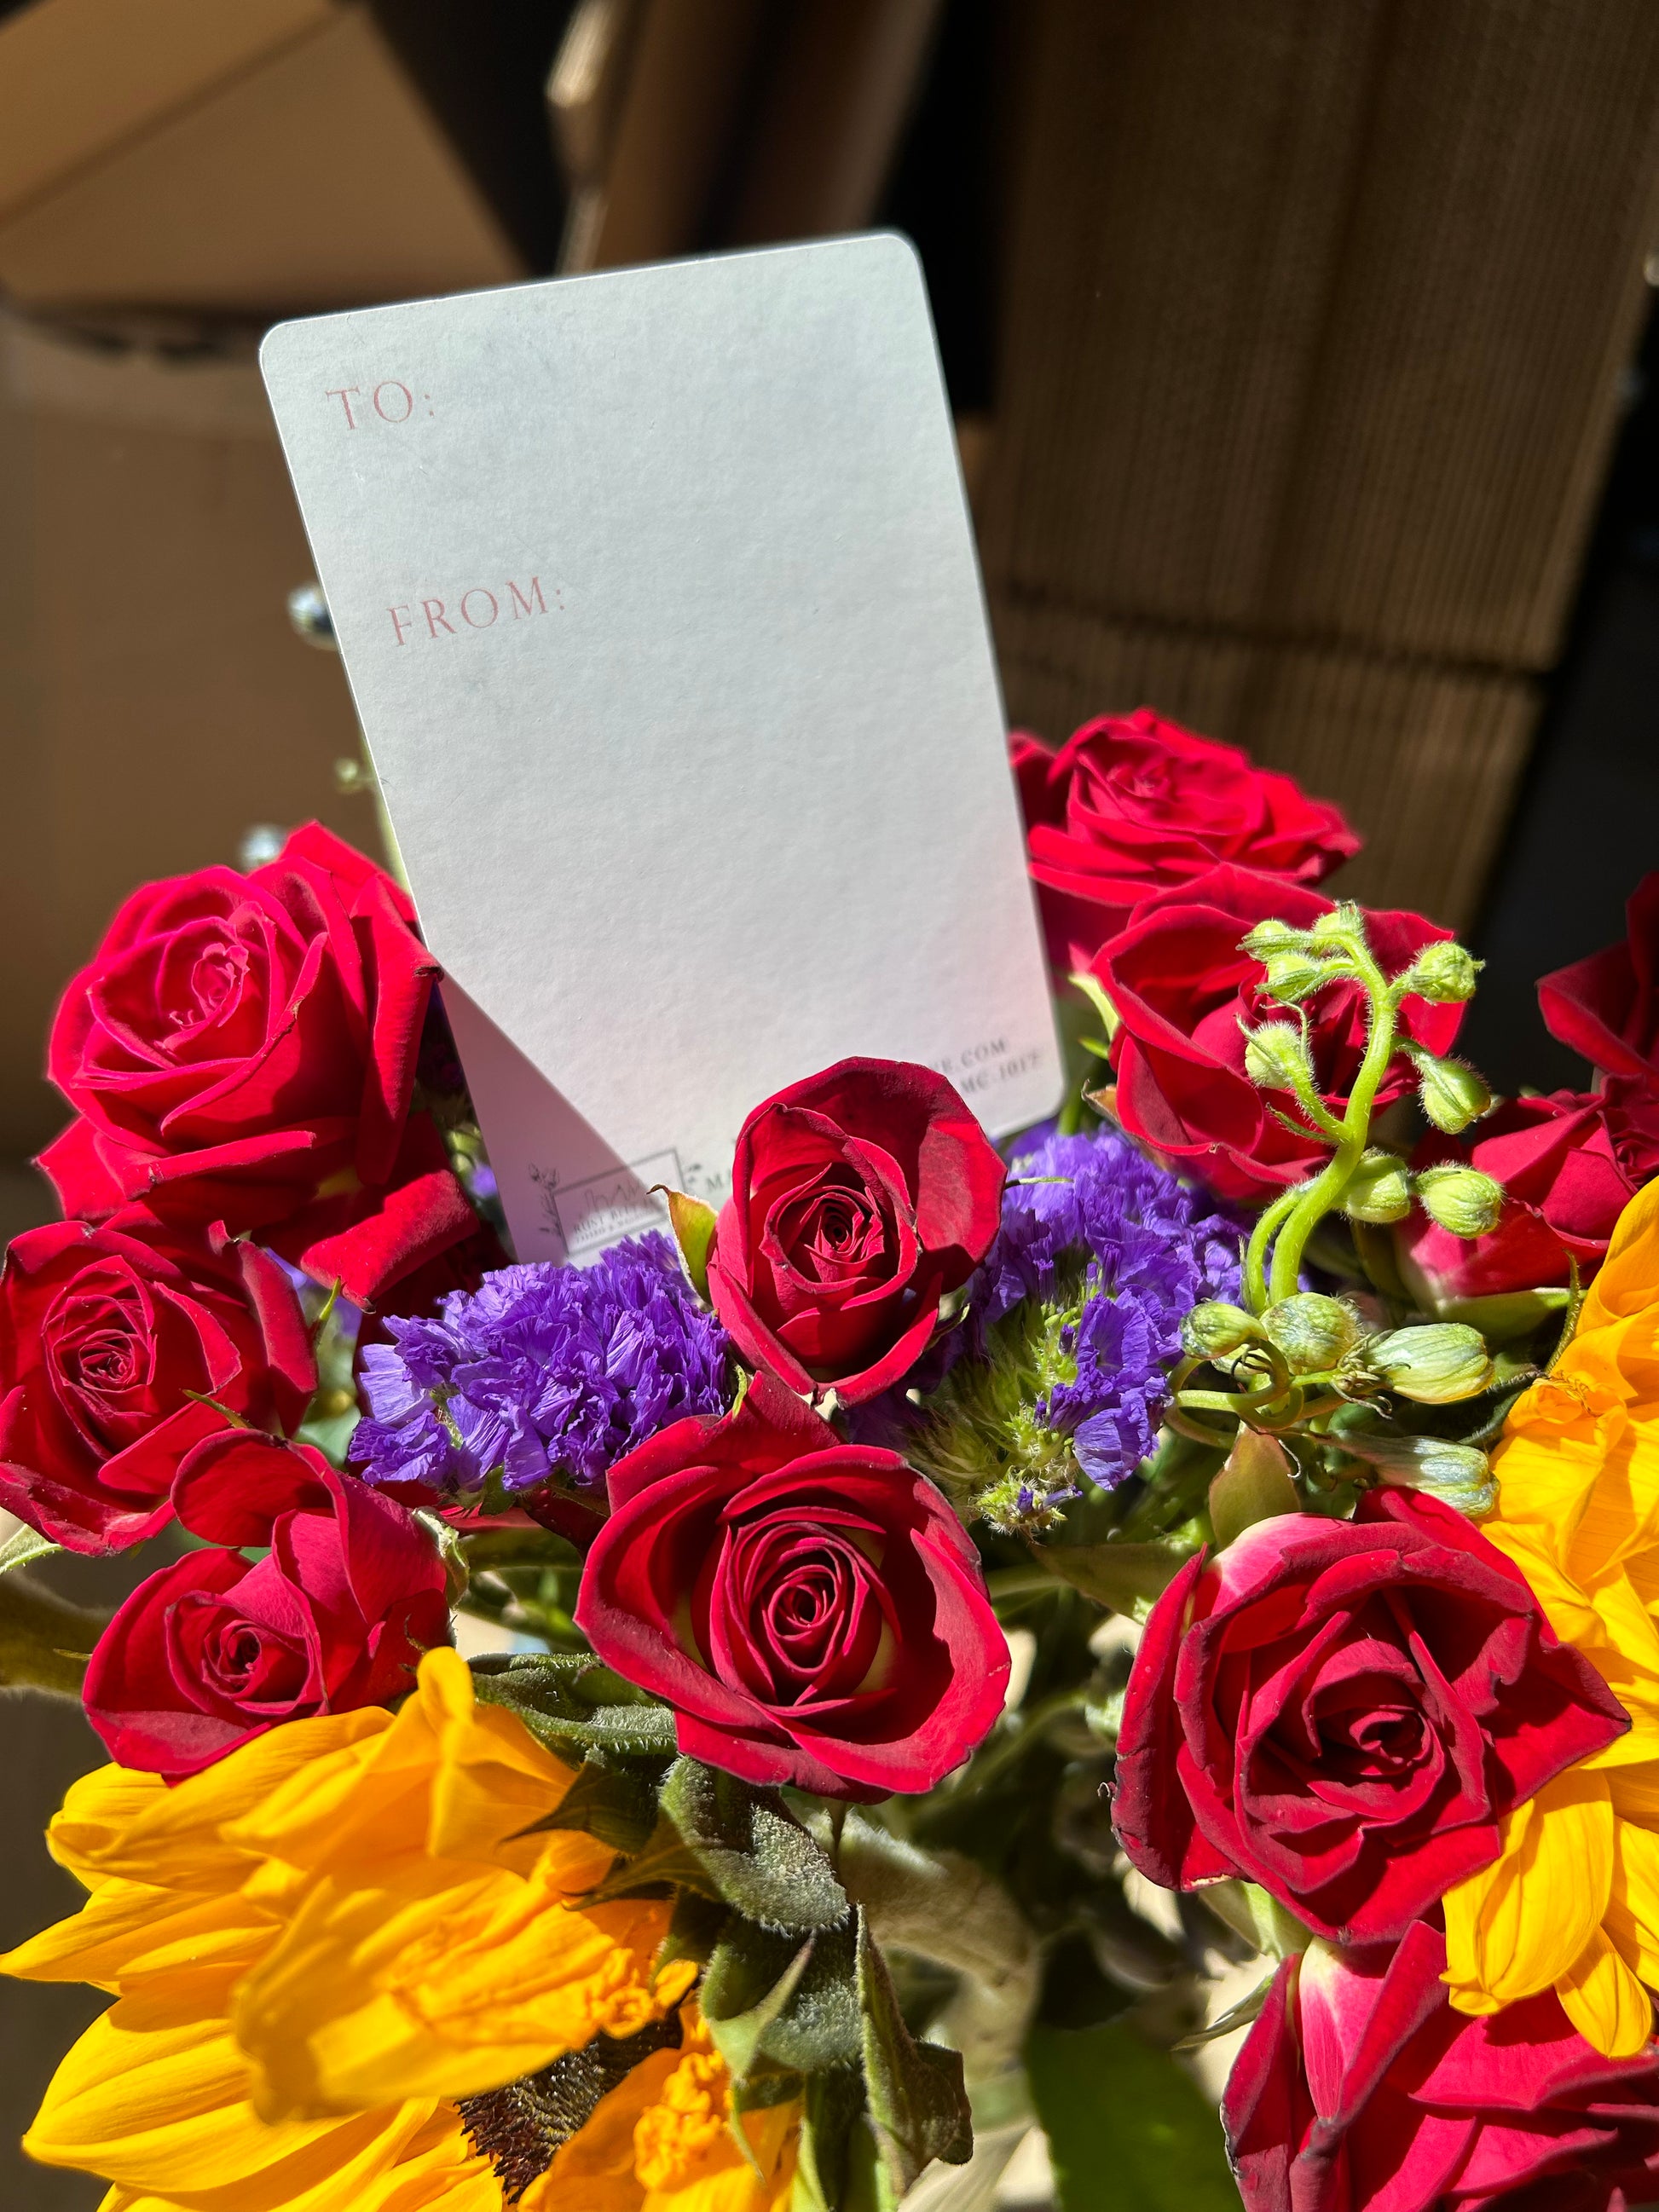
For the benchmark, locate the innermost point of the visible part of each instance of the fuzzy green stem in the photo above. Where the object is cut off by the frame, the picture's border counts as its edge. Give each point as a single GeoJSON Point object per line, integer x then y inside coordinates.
{"type": "Point", "coordinates": [1315, 1200]}
{"type": "Point", "coordinates": [1256, 1254]}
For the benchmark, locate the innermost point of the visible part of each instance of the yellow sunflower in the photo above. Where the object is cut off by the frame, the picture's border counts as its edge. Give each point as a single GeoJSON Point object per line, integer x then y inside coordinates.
{"type": "Point", "coordinates": [346, 1980]}
{"type": "Point", "coordinates": [1573, 1903]}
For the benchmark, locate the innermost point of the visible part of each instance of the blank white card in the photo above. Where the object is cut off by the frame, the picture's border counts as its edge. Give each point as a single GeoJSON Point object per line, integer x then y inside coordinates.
{"type": "Point", "coordinates": [657, 598]}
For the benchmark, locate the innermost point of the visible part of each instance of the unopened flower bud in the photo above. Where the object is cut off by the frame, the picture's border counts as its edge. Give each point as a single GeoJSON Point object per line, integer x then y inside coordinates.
{"type": "Point", "coordinates": [1270, 937]}
{"type": "Point", "coordinates": [1458, 1474]}
{"type": "Point", "coordinates": [1275, 1057]}
{"type": "Point", "coordinates": [1345, 921]}
{"type": "Point", "coordinates": [1292, 975]}
{"type": "Point", "coordinates": [1460, 1198]}
{"type": "Point", "coordinates": [1444, 972]}
{"type": "Point", "coordinates": [1314, 1333]}
{"type": "Point", "coordinates": [1213, 1329]}
{"type": "Point", "coordinates": [1381, 1189]}
{"type": "Point", "coordinates": [1451, 1093]}
{"type": "Point", "coordinates": [1436, 1364]}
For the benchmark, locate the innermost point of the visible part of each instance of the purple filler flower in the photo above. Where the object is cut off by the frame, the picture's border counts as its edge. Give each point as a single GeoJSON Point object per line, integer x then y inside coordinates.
{"type": "Point", "coordinates": [1092, 1227]}
{"type": "Point", "coordinates": [545, 1373]}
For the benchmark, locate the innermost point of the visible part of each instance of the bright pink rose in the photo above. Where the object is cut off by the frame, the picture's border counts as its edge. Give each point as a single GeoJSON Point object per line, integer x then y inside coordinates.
{"type": "Point", "coordinates": [1607, 1006]}
{"type": "Point", "coordinates": [1565, 1190]}
{"type": "Point", "coordinates": [859, 1198]}
{"type": "Point", "coordinates": [215, 1649]}
{"type": "Point", "coordinates": [813, 1610]}
{"type": "Point", "coordinates": [1182, 987]}
{"type": "Point", "coordinates": [1359, 2090]}
{"type": "Point", "coordinates": [1132, 805]}
{"type": "Point", "coordinates": [1343, 1712]}
{"type": "Point", "coordinates": [242, 1048]}
{"type": "Point", "coordinates": [119, 1347]}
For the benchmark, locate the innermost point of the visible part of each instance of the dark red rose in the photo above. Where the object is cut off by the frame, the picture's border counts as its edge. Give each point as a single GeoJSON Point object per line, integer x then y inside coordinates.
{"type": "Point", "coordinates": [1132, 805]}
{"type": "Point", "coordinates": [215, 1649]}
{"type": "Point", "coordinates": [1630, 1106]}
{"type": "Point", "coordinates": [1359, 2090]}
{"type": "Point", "coordinates": [813, 1610]}
{"type": "Point", "coordinates": [113, 1340]}
{"type": "Point", "coordinates": [242, 1048]}
{"type": "Point", "coordinates": [859, 1198]}
{"type": "Point", "coordinates": [1607, 1006]}
{"type": "Point", "coordinates": [1182, 988]}
{"type": "Point", "coordinates": [1343, 1712]}
{"type": "Point", "coordinates": [1565, 1190]}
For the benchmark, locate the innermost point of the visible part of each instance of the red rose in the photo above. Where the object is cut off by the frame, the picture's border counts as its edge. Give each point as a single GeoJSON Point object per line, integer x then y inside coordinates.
{"type": "Point", "coordinates": [1134, 804]}
{"type": "Point", "coordinates": [1343, 1711]}
{"type": "Point", "coordinates": [113, 1340]}
{"type": "Point", "coordinates": [1182, 987]}
{"type": "Point", "coordinates": [242, 1048]}
{"type": "Point", "coordinates": [1607, 1006]}
{"type": "Point", "coordinates": [215, 1649]}
{"type": "Point", "coordinates": [813, 1610]}
{"type": "Point", "coordinates": [1359, 2090]}
{"type": "Point", "coordinates": [859, 1198]}
{"type": "Point", "coordinates": [1564, 1190]}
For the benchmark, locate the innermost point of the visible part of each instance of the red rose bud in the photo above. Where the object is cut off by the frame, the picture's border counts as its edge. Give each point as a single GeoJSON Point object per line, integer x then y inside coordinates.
{"type": "Point", "coordinates": [813, 1610]}
{"type": "Point", "coordinates": [1564, 1186]}
{"type": "Point", "coordinates": [1134, 804]}
{"type": "Point", "coordinates": [1187, 993]}
{"type": "Point", "coordinates": [242, 1048]}
{"type": "Point", "coordinates": [1359, 2087]}
{"type": "Point", "coordinates": [1343, 1712]}
{"type": "Point", "coordinates": [121, 1348]}
{"type": "Point", "coordinates": [860, 1198]}
{"type": "Point", "coordinates": [213, 1650]}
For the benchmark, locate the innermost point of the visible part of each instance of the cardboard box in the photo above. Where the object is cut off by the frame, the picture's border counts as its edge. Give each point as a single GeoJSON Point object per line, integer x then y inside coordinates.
{"type": "Point", "coordinates": [153, 702]}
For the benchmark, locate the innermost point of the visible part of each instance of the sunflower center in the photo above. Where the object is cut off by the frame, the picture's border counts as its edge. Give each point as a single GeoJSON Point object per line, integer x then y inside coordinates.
{"type": "Point", "coordinates": [520, 2128]}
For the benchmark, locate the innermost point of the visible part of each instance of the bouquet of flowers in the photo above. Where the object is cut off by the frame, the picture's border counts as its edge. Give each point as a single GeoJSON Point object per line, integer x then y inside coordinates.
{"type": "Point", "coordinates": [943, 1639]}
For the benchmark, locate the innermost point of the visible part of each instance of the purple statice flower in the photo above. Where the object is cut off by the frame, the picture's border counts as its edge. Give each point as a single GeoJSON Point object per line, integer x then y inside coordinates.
{"type": "Point", "coordinates": [544, 1374]}
{"type": "Point", "coordinates": [1116, 1251]}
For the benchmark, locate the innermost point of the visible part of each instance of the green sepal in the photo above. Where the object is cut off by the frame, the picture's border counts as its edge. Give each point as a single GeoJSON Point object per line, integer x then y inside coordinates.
{"type": "Point", "coordinates": [663, 1861]}
{"type": "Point", "coordinates": [607, 1801]}
{"type": "Point", "coordinates": [758, 1854]}
{"type": "Point", "coordinates": [1249, 1912]}
{"type": "Point", "coordinates": [917, 2103]}
{"type": "Point", "coordinates": [44, 1639]}
{"type": "Point", "coordinates": [693, 1223]}
{"type": "Point", "coordinates": [747, 1984]}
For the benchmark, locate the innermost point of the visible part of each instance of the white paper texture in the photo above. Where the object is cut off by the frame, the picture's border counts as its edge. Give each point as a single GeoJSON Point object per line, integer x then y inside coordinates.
{"type": "Point", "coordinates": [658, 597]}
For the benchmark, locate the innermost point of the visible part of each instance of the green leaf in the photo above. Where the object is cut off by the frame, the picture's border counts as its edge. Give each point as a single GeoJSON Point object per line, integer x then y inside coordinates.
{"type": "Point", "coordinates": [693, 1224]}
{"type": "Point", "coordinates": [1128, 2131]}
{"type": "Point", "coordinates": [569, 1701]}
{"type": "Point", "coordinates": [26, 1544]}
{"type": "Point", "coordinates": [832, 2106]}
{"type": "Point", "coordinates": [664, 1859]}
{"type": "Point", "coordinates": [740, 1996]}
{"type": "Point", "coordinates": [1124, 1576]}
{"type": "Point", "coordinates": [1111, 1021]}
{"type": "Point", "coordinates": [695, 1928]}
{"type": "Point", "coordinates": [918, 2106]}
{"type": "Point", "coordinates": [606, 1801]}
{"type": "Point", "coordinates": [757, 1854]}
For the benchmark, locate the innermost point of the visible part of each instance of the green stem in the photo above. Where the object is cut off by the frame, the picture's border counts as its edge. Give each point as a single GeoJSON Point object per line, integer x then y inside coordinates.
{"type": "Point", "coordinates": [1256, 1254]}
{"type": "Point", "coordinates": [1316, 1199]}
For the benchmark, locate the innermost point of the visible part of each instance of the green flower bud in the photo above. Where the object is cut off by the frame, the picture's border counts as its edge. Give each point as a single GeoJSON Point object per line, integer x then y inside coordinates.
{"type": "Point", "coordinates": [1443, 973]}
{"type": "Point", "coordinates": [1272, 936]}
{"type": "Point", "coordinates": [1436, 1364]}
{"type": "Point", "coordinates": [1381, 1189]}
{"type": "Point", "coordinates": [1314, 1333]}
{"type": "Point", "coordinates": [1292, 975]}
{"type": "Point", "coordinates": [1460, 1198]}
{"type": "Point", "coordinates": [1345, 921]}
{"type": "Point", "coordinates": [1213, 1329]}
{"type": "Point", "coordinates": [1451, 1093]}
{"type": "Point", "coordinates": [1456, 1473]}
{"type": "Point", "coordinates": [1275, 1057]}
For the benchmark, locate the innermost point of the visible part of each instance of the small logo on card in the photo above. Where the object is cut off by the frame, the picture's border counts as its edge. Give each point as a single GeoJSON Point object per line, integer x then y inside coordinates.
{"type": "Point", "coordinates": [589, 1215]}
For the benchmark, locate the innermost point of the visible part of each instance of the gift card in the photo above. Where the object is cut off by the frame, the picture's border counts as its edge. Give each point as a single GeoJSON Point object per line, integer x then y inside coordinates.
{"type": "Point", "coordinates": [658, 597]}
